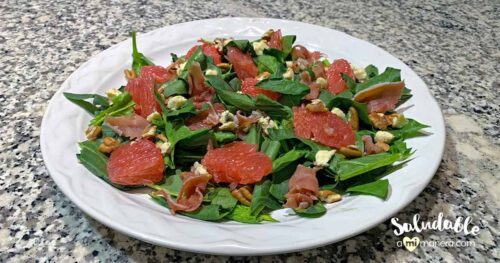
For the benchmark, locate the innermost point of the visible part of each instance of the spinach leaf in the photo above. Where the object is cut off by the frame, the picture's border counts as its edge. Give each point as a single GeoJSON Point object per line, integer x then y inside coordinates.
{"type": "Point", "coordinates": [175, 87]}
{"type": "Point", "coordinates": [173, 184]}
{"type": "Point", "coordinates": [122, 104]}
{"type": "Point", "coordinates": [313, 211]}
{"type": "Point", "coordinates": [223, 198]}
{"type": "Point", "coordinates": [262, 198]}
{"type": "Point", "coordinates": [279, 190]}
{"type": "Point", "coordinates": [389, 75]}
{"type": "Point", "coordinates": [379, 188]}
{"type": "Point", "coordinates": [351, 83]}
{"type": "Point", "coordinates": [243, 45]}
{"type": "Point", "coordinates": [188, 108]}
{"type": "Point", "coordinates": [98, 102]}
{"type": "Point", "coordinates": [138, 59]}
{"type": "Point", "coordinates": [411, 129]}
{"type": "Point", "coordinates": [288, 158]}
{"type": "Point", "coordinates": [270, 148]}
{"type": "Point", "coordinates": [95, 161]}
{"type": "Point", "coordinates": [284, 86]}
{"type": "Point", "coordinates": [350, 168]}
{"type": "Point", "coordinates": [287, 44]}
{"type": "Point", "coordinates": [253, 136]}
{"type": "Point", "coordinates": [283, 132]}
{"type": "Point", "coordinates": [242, 213]}
{"type": "Point", "coordinates": [217, 83]}
{"type": "Point", "coordinates": [240, 101]}
{"type": "Point", "coordinates": [269, 64]}
{"type": "Point", "coordinates": [405, 96]}
{"type": "Point", "coordinates": [197, 56]}
{"type": "Point", "coordinates": [290, 100]}
{"type": "Point", "coordinates": [224, 137]}
{"type": "Point", "coordinates": [235, 84]}
{"type": "Point", "coordinates": [371, 71]}
{"type": "Point", "coordinates": [274, 109]}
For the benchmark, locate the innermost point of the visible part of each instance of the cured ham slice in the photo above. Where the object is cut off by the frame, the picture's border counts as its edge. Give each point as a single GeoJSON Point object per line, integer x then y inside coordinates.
{"type": "Point", "coordinates": [207, 118]}
{"type": "Point", "coordinates": [303, 188]}
{"type": "Point", "coordinates": [370, 147]}
{"type": "Point", "coordinates": [381, 97]}
{"type": "Point", "coordinates": [131, 126]}
{"type": "Point", "coordinates": [190, 196]}
{"type": "Point", "coordinates": [200, 93]}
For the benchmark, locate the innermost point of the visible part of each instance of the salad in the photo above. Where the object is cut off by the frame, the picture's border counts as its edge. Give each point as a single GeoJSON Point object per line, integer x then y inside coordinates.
{"type": "Point", "coordinates": [236, 129]}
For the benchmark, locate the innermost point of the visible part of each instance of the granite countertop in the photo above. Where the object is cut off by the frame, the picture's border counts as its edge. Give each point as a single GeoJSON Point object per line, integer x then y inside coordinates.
{"type": "Point", "coordinates": [454, 47]}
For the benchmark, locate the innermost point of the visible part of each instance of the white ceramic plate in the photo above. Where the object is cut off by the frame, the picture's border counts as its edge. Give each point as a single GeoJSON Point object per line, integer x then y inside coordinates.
{"type": "Point", "coordinates": [136, 215]}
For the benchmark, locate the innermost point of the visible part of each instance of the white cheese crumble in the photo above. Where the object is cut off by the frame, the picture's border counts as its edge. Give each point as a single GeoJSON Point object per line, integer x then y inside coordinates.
{"type": "Point", "coordinates": [211, 72]}
{"type": "Point", "coordinates": [384, 136]}
{"type": "Point", "coordinates": [289, 64]}
{"type": "Point", "coordinates": [151, 131]}
{"type": "Point", "coordinates": [111, 93]}
{"type": "Point", "coordinates": [338, 112]}
{"type": "Point", "coordinates": [399, 121]}
{"type": "Point", "coordinates": [260, 46]}
{"type": "Point", "coordinates": [180, 68]}
{"type": "Point", "coordinates": [267, 123]}
{"type": "Point", "coordinates": [164, 147]}
{"type": "Point", "coordinates": [288, 74]}
{"type": "Point", "coordinates": [322, 82]}
{"type": "Point", "coordinates": [359, 73]}
{"type": "Point", "coordinates": [153, 116]}
{"type": "Point", "coordinates": [199, 169]}
{"type": "Point", "coordinates": [228, 121]}
{"type": "Point", "coordinates": [323, 157]}
{"type": "Point", "coordinates": [176, 102]}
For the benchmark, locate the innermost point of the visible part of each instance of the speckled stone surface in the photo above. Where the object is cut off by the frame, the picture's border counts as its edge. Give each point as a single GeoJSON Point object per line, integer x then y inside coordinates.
{"type": "Point", "coordinates": [453, 46]}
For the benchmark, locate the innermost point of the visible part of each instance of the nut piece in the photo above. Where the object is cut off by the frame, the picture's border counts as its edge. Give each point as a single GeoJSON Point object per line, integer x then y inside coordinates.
{"type": "Point", "coordinates": [329, 197]}
{"type": "Point", "coordinates": [383, 146]}
{"type": "Point", "coordinates": [108, 145]}
{"type": "Point", "coordinates": [93, 132]}
{"type": "Point", "coordinates": [149, 131]}
{"type": "Point", "coordinates": [288, 74]}
{"type": "Point", "coordinates": [396, 120]}
{"type": "Point", "coordinates": [316, 105]}
{"type": "Point", "coordinates": [354, 119]}
{"type": "Point", "coordinates": [243, 195]}
{"type": "Point", "coordinates": [378, 120]}
{"type": "Point", "coordinates": [129, 74]}
{"type": "Point", "coordinates": [225, 66]}
{"type": "Point", "coordinates": [350, 151]}
{"type": "Point", "coordinates": [263, 75]}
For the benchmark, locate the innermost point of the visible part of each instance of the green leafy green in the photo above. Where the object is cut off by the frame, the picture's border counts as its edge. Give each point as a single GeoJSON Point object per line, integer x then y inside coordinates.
{"type": "Point", "coordinates": [279, 190]}
{"type": "Point", "coordinates": [98, 102]}
{"type": "Point", "coordinates": [411, 129]}
{"type": "Point", "coordinates": [288, 158]}
{"type": "Point", "coordinates": [273, 109]}
{"type": "Point", "coordinates": [371, 71]}
{"type": "Point", "coordinates": [218, 83]}
{"type": "Point", "coordinates": [253, 136]}
{"type": "Point", "coordinates": [389, 75]}
{"type": "Point", "coordinates": [316, 210]}
{"type": "Point", "coordinates": [270, 64]}
{"type": "Point", "coordinates": [243, 45]}
{"type": "Point", "coordinates": [379, 188]}
{"type": "Point", "coordinates": [224, 137]}
{"type": "Point", "coordinates": [223, 198]}
{"type": "Point", "coordinates": [350, 168]}
{"type": "Point", "coordinates": [270, 148]}
{"type": "Point", "coordinates": [242, 213]}
{"type": "Point", "coordinates": [122, 104]}
{"type": "Point", "coordinates": [240, 101]}
{"type": "Point", "coordinates": [138, 59]}
{"type": "Point", "coordinates": [284, 86]}
{"type": "Point", "coordinates": [261, 198]}
{"type": "Point", "coordinates": [172, 183]}
{"type": "Point", "coordinates": [175, 87]}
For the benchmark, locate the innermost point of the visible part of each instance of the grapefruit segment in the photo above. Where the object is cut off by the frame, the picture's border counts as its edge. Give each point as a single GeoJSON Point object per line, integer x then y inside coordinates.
{"type": "Point", "coordinates": [335, 83]}
{"type": "Point", "coordinates": [242, 63]}
{"type": "Point", "coordinates": [248, 87]}
{"type": "Point", "coordinates": [136, 163]}
{"type": "Point", "coordinates": [237, 162]}
{"type": "Point", "coordinates": [323, 127]}
{"type": "Point", "coordinates": [141, 90]}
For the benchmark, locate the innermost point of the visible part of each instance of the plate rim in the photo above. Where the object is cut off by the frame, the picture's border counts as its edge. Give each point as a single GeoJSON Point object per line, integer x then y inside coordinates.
{"type": "Point", "coordinates": [240, 251]}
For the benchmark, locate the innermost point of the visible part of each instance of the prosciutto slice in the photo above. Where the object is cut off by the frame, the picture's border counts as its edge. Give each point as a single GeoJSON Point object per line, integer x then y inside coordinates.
{"type": "Point", "coordinates": [191, 194]}
{"type": "Point", "coordinates": [200, 93]}
{"type": "Point", "coordinates": [370, 147]}
{"type": "Point", "coordinates": [303, 188]}
{"type": "Point", "coordinates": [207, 118]}
{"type": "Point", "coordinates": [381, 97]}
{"type": "Point", "coordinates": [131, 126]}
